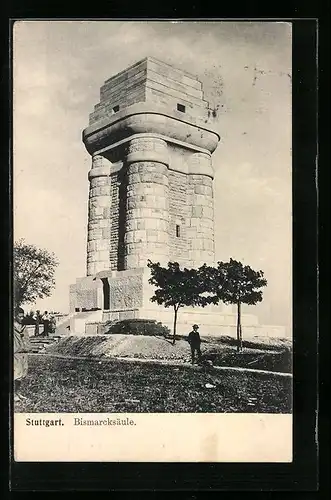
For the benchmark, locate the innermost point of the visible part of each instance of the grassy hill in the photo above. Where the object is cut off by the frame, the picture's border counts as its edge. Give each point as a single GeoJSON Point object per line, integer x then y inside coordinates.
{"type": "Point", "coordinates": [263, 354]}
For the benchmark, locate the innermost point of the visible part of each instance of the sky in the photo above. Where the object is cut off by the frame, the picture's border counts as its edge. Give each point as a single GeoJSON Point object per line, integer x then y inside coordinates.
{"type": "Point", "coordinates": [245, 69]}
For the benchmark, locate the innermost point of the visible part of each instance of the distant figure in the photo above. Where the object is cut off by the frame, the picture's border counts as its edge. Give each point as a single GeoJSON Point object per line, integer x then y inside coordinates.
{"type": "Point", "coordinates": [46, 322]}
{"type": "Point", "coordinates": [52, 324]}
{"type": "Point", "coordinates": [37, 323]}
{"type": "Point", "coordinates": [21, 349]}
{"type": "Point", "coordinates": [195, 341]}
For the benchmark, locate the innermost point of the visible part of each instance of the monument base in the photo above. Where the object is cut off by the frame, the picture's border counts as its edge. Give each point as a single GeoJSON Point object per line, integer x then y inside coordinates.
{"type": "Point", "coordinates": [116, 295]}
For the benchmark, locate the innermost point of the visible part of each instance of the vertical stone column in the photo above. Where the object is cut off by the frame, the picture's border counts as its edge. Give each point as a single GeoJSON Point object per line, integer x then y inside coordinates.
{"type": "Point", "coordinates": [99, 216]}
{"type": "Point", "coordinates": [147, 206]}
{"type": "Point", "coordinates": [201, 220]}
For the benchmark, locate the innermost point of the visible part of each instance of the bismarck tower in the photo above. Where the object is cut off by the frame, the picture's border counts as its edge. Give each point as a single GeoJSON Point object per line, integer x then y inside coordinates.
{"type": "Point", "coordinates": [151, 181]}
{"type": "Point", "coordinates": [151, 195]}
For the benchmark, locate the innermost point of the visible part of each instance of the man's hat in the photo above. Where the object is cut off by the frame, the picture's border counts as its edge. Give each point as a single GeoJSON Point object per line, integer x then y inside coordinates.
{"type": "Point", "coordinates": [195, 326]}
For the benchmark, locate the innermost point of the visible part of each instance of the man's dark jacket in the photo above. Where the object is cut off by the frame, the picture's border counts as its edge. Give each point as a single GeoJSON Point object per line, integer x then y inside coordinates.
{"type": "Point", "coordinates": [194, 339]}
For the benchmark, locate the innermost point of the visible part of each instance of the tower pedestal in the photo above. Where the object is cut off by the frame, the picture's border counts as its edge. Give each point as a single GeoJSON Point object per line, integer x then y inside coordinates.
{"type": "Point", "coordinates": [118, 295]}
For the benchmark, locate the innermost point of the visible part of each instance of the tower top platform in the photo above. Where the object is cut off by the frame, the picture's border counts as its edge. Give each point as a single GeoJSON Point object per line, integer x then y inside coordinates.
{"type": "Point", "coordinates": [156, 83]}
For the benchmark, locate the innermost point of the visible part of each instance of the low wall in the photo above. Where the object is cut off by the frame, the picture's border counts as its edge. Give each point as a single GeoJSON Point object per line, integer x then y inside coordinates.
{"type": "Point", "coordinates": [30, 330]}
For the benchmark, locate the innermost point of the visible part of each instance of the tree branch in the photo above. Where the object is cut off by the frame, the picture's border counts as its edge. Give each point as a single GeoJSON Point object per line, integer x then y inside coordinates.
{"type": "Point", "coordinates": [24, 287]}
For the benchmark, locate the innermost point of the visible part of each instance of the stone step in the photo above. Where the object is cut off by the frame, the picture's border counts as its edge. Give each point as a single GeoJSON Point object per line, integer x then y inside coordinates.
{"type": "Point", "coordinates": [43, 341]}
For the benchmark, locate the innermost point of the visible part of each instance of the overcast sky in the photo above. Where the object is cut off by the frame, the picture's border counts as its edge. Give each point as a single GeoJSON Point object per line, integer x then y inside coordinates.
{"type": "Point", "coordinates": [245, 69]}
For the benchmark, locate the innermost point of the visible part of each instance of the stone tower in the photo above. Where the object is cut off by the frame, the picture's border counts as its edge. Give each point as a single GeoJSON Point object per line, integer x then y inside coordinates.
{"type": "Point", "coordinates": [151, 192]}
{"type": "Point", "coordinates": [151, 181]}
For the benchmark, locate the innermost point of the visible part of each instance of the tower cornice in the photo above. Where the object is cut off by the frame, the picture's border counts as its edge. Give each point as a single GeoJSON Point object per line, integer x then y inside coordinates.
{"type": "Point", "coordinates": [147, 118]}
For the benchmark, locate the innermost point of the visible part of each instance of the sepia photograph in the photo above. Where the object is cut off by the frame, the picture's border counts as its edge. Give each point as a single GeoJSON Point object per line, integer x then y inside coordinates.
{"type": "Point", "coordinates": [152, 259]}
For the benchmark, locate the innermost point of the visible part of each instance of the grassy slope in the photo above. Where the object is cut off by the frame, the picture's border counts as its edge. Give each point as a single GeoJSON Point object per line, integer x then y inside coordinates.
{"type": "Point", "coordinates": [66, 385]}
{"type": "Point", "coordinates": [222, 352]}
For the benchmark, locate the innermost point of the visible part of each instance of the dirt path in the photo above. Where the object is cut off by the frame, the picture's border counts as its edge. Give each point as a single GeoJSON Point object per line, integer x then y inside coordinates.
{"type": "Point", "coordinates": [161, 362]}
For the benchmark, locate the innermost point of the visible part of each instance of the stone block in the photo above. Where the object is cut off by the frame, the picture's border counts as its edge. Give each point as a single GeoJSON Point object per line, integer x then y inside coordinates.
{"type": "Point", "coordinates": [133, 224]}
{"type": "Point", "coordinates": [94, 234]}
{"type": "Point", "coordinates": [196, 244]}
{"type": "Point", "coordinates": [107, 212]}
{"type": "Point", "coordinates": [134, 168]}
{"type": "Point", "coordinates": [176, 91]}
{"type": "Point", "coordinates": [96, 212]}
{"type": "Point", "coordinates": [105, 190]}
{"type": "Point", "coordinates": [150, 177]}
{"type": "Point", "coordinates": [129, 236]}
{"type": "Point", "coordinates": [162, 237]}
{"type": "Point", "coordinates": [176, 85]}
{"type": "Point", "coordinates": [154, 168]}
{"type": "Point", "coordinates": [123, 77]}
{"type": "Point", "coordinates": [113, 89]}
{"type": "Point", "coordinates": [98, 182]}
{"type": "Point", "coordinates": [208, 245]}
{"type": "Point", "coordinates": [196, 211]}
{"type": "Point", "coordinates": [146, 212]}
{"type": "Point", "coordinates": [104, 201]}
{"type": "Point", "coordinates": [100, 191]}
{"type": "Point", "coordinates": [92, 256]}
{"type": "Point", "coordinates": [139, 236]}
{"type": "Point", "coordinates": [103, 255]}
{"type": "Point", "coordinates": [102, 244]}
{"type": "Point", "coordinates": [203, 180]}
{"type": "Point", "coordinates": [145, 237]}
{"type": "Point", "coordinates": [208, 213]}
{"type": "Point", "coordinates": [106, 233]}
{"type": "Point", "coordinates": [143, 189]}
{"type": "Point", "coordinates": [135, 248]}
{"type": "Point", "coordinates": [160, 224]}
{"type": "Point", "coordinates": [202, 200]}
{"type": "Point", "coordinates": [206, 225]}
{"type": "Point", "coordinates": [91, 268]}
{"type": "Point", "coordinates": [194, 222]}
{"type": "Point", "coordinates": [191, 232]}
{"type": "Point", "coordinates": [126, 292]}
{"type": "Point", "coordinates": [95, 223]}
{"type": "Point", "coordinates": [172, 73]}
{"type": "Point", "coordinates": [148, 200]}
{"type": "Point", "coordinates": [93, 202]}
{"type": "Point", "coordinates": [150, 233]}
{"type": "Point", "coordinates": [103, 223]}
{"type": "Point", "coordinates": [147, 144]}
{"type": "Point", "coordinates": [91, 246]}
{"type": "Point", "coordinates": [133, 177]}
{"type": "Point", "coordinates": [102, 266]}
{"type": "Point", "coordinates": [131, 261]}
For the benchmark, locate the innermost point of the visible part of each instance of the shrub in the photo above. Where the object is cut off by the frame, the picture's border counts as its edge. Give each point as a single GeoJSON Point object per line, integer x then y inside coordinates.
{"type": "Point", "coordinates": [278, 361]}
{"type": "Point", "coordinates": [137, 327]}
{"type": "Point", "coordinates": [267, 343]}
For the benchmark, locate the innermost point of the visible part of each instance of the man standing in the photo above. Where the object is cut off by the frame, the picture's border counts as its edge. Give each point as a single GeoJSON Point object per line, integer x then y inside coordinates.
{"type": "Point", "coordinates": [37, 323]}
{"type": "Point", "coordinates": [195, 342]}
{"type": "Point", "coordinates": [46, 321]}
{"type": "Point", "coordinates": [21, 349]}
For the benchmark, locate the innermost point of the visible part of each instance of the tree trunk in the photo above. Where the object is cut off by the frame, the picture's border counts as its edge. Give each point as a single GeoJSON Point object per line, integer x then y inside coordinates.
{"type": "Point", "coordinates": [175, 324]}
{"type": "Point", "coordinates": [238, 326]}
{"type": "Point", "coordinates": [240, 329]}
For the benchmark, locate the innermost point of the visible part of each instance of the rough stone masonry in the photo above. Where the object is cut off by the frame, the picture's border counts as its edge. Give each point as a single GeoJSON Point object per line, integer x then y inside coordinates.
{"type": "Point", "coordinates": [151, 141]}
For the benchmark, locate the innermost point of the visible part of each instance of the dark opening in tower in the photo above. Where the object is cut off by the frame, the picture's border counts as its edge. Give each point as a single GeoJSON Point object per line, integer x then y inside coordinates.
{"type": "Point", "coordinates": [106, 293]}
